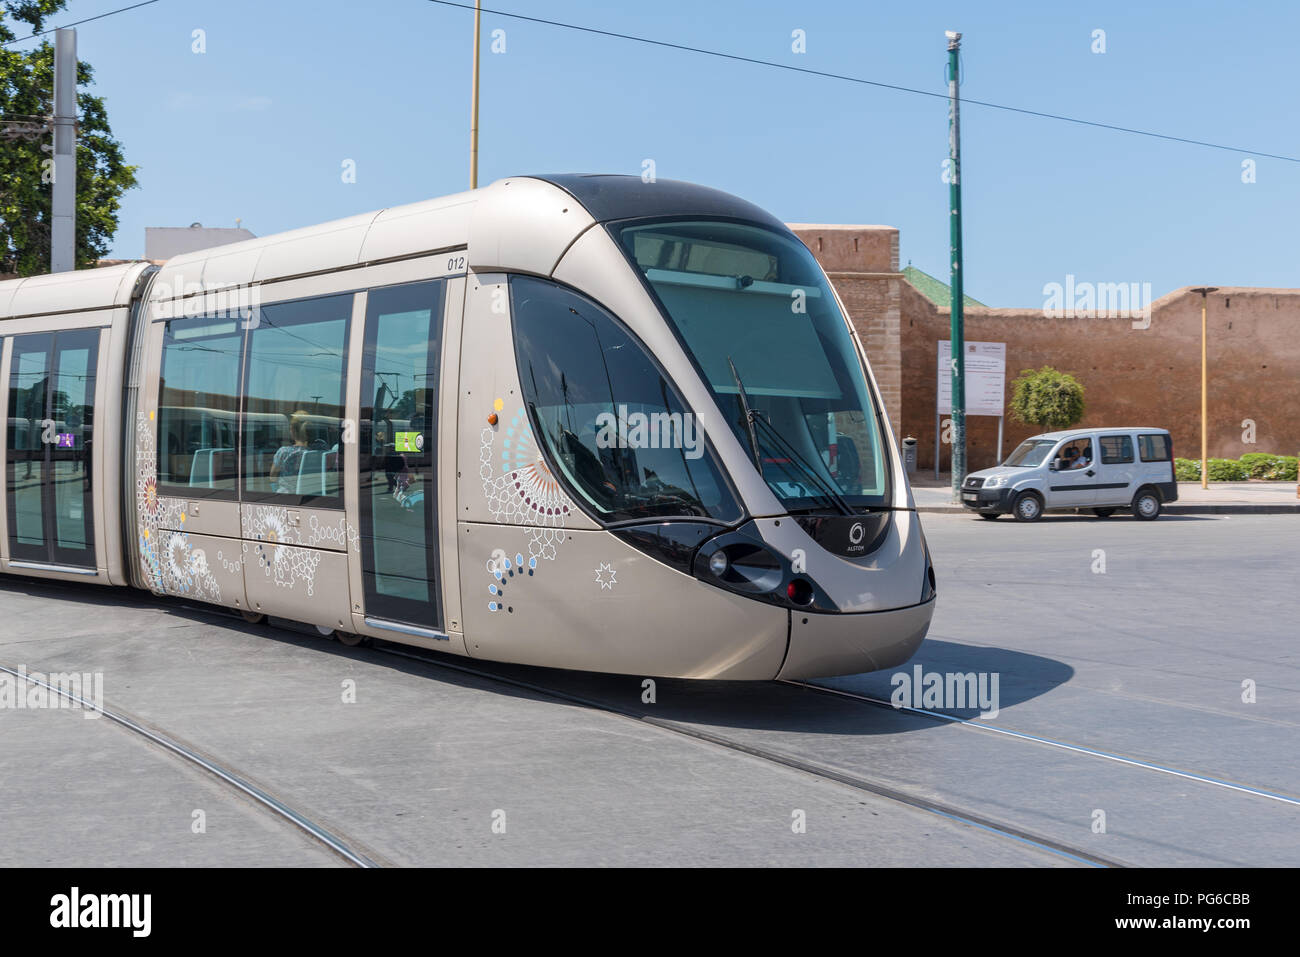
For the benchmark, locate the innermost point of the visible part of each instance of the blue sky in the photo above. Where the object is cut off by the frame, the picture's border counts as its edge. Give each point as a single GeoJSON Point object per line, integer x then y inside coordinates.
{"type": "Point", "coordinates": [259, 125]}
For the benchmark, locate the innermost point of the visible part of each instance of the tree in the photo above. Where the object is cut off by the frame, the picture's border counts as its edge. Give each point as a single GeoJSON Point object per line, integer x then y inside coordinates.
{"type": "Point", "coordinates": [1047, 398]}
{"type": "Point", "coordinates": [27, 90]}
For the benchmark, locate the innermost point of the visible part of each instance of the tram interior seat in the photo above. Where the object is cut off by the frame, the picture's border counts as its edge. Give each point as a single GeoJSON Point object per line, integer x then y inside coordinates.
{"type": "Point", "coordinates": [202, 469]}
{"type": "Point", "coordinates": [312, 473]}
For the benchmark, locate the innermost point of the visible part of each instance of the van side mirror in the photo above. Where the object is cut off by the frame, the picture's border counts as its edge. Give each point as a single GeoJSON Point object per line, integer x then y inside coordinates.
{"type": "Point", "coordinates": [1055, 466]}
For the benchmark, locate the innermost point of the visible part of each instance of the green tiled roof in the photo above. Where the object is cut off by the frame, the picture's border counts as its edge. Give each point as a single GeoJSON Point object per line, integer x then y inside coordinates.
{"type": "Point", "coordinates": [939, 293]}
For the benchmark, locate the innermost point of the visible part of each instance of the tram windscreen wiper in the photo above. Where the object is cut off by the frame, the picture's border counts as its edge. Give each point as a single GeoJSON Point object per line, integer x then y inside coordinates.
{"type": "Point", "coordinates": [827, 488]}
{"type": "Point", "coordinates": [749, 415]}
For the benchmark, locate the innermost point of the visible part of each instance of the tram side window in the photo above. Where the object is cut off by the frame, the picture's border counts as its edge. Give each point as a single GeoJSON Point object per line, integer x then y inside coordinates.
{"type": "Point", "coordinates": [293, 402]}
{"type": "Point", "coordinates": [624, 440]}
{"type": "Point", "coordinates": [198, 406]}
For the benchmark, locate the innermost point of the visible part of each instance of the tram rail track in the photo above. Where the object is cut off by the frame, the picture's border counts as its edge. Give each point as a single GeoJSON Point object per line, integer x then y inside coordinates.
{"type": "Point", "coordinates": [822, 772]}
{"type": "Point", "coordinates": [1049, 742]}
{"type": "Point", "coordinates": [344, 848]}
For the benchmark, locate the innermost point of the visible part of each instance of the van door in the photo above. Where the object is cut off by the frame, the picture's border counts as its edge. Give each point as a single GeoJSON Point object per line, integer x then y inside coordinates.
{"type": "Point", "coordinates": [49, 444]}
{"type": "Point", "coordinates": [1117, 471]}
{"type": "Point", "coordinates": [1156, 462]}
{"type": "Point", "coordinates": [1070, 485]}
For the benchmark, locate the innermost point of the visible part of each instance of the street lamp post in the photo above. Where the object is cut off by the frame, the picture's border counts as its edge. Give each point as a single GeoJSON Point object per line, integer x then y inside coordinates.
{"type": "Point", "coordinates": [1205, 476]}
{"type": "Point", "coordinates": [473, 123]}
{"type": "Point", "coordinates": [957, 326]}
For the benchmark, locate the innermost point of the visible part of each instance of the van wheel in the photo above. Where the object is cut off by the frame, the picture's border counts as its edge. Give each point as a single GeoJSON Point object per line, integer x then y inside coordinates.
{"type": "Point", "coordinates": [252, 617]}
{"type": "Point", "coordinates": [351, 639]}
{"type": "Point", "coordinates": [1146, 505]}
{"type": "Point", "coordinates": [1029, 507]}
{"type": "Point", "coordinates": [1103, 512]}
{"type": "Point", "coordinates": [991, 516]}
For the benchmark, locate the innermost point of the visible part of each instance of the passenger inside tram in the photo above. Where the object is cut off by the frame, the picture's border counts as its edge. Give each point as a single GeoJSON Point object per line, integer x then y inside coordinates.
{"type": "Point", "coordinates": [287, 463]}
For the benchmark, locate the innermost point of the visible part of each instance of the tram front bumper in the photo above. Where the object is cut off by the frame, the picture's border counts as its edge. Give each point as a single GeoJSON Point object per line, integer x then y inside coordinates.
{"type": "Point", "coordinates": [822, 645]}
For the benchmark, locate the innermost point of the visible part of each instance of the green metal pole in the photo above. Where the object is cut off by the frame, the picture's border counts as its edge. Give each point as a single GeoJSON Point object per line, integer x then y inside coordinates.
{"type": "Point", "coordinates": [957, 336]}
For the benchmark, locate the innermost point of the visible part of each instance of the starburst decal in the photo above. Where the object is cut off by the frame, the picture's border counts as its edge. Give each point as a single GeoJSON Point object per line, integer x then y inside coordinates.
{"type": "Point", "coordinates": [605, 576]}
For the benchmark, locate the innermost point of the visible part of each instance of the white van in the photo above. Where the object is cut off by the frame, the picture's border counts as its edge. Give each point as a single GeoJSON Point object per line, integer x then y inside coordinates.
{"type": "Point", "coordinates": [1099, 469]}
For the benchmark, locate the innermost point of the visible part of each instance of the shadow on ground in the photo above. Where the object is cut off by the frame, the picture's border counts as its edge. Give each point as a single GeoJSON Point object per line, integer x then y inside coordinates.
{"type": "Point", "coordinates": [763, 705]}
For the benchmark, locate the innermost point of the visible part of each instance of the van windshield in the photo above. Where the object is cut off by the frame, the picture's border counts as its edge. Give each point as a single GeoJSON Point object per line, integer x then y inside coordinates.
{"type": "Point", "coordinates": [1030, 453]}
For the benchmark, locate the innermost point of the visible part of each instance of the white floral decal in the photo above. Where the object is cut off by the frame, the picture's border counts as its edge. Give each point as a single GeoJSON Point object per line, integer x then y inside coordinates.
{"type": "Point", "coordinates": [170, 562]}
{"type": "Point", "coordinates": [272, 522]}
{"type": "Point", "coordinates": [525, 493]}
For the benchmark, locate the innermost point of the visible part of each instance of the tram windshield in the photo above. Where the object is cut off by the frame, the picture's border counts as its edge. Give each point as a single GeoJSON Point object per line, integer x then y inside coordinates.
{"type": "Point", "coordinates": [622, 438]}
{"type": "Point", "coordinates": [755, 312]}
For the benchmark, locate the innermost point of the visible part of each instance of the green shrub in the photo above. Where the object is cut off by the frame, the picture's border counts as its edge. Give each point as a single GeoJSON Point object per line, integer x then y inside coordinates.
{"type": "Point", "coordinates": [1252, 465]}
{"type": "Point", "coordinates": [1262, 465]}
{"type": "Point", "coordinates": [1257, 463]}
{"type": "Point", "coordinates": [1047, 398]}
{"type": "Point", "coordinates": [1227, 470]}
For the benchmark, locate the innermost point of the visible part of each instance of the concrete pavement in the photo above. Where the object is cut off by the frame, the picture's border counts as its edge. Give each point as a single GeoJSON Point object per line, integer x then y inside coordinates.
{"type": "Point", "coordinates": [1131, 645]}
{"type": "Point", "coordinates": [409, 763]}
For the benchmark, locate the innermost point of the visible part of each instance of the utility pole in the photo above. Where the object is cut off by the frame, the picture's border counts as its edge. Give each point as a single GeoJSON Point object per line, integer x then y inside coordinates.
{"type": "Point", "coordinates": [957, 334]}
{"type": "Point", "coordinates": [473, 123]}
{"type": "Point", "coordinates": [1205, 294]}
{"type": "Point", "coordinates": [63, 205]}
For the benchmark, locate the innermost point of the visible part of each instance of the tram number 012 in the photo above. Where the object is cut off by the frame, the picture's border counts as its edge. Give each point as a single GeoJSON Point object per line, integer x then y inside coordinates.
{"type": "Point", "coordinates": [455, 264]}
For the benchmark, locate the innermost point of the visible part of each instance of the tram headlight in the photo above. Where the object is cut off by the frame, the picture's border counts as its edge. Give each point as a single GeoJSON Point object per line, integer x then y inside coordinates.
{"type": "Point", "coordinates": [740, 561]}
{"type": "Point", "coordinates": [741, 565]}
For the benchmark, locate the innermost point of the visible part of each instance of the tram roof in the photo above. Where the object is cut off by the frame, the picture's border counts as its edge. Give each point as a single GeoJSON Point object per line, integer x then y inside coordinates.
{"type": "Point", "coordinates": [66, 292]}
{"type": "Point", "coordinates": [523, 227]}
{"type": "Point", "coordinates": [609, 196]}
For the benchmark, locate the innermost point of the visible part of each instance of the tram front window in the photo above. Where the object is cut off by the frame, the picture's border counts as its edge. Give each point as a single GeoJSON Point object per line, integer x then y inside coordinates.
{"type": "Point", "coordinates": [753, 309]}
{"type": "Point", "coordinates": [624, 442]}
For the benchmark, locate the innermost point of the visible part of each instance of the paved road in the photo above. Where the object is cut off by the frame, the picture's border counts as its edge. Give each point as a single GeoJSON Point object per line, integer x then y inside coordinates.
{"type": "Point", "coordinates": [411, 773]}
{"type": "Point", "coordinates": [1220, 497]}
{"type": "Point", "coordinates": [1142, 663]}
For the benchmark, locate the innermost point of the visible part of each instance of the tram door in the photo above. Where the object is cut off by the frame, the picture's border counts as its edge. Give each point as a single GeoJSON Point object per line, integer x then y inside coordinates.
{"type": "Point", "coordinates": [50, 430]}
{"type": "Point", "coordinates": [398, 488]}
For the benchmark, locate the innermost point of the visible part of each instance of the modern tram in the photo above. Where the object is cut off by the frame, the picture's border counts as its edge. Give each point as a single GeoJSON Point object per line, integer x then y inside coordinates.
{"type": "Point", "coordinates": [577, 421]}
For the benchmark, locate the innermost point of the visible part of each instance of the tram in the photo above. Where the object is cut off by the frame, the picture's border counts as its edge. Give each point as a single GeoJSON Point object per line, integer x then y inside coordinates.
{"type": "Point", "coordinates": [577, 421]}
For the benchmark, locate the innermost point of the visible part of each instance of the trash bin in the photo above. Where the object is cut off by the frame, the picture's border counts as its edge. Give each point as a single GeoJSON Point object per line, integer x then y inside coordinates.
{"type": "Point", "coordinates": [909, 455]}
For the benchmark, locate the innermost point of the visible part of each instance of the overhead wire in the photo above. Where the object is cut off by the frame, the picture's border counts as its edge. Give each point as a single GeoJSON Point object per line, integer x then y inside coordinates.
{"type": "Point", "coordinates": [898, 88]}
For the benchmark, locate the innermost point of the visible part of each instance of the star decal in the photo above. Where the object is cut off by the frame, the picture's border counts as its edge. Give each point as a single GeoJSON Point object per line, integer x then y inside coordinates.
{"type": "Point", "coordinates": [605, 576]}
